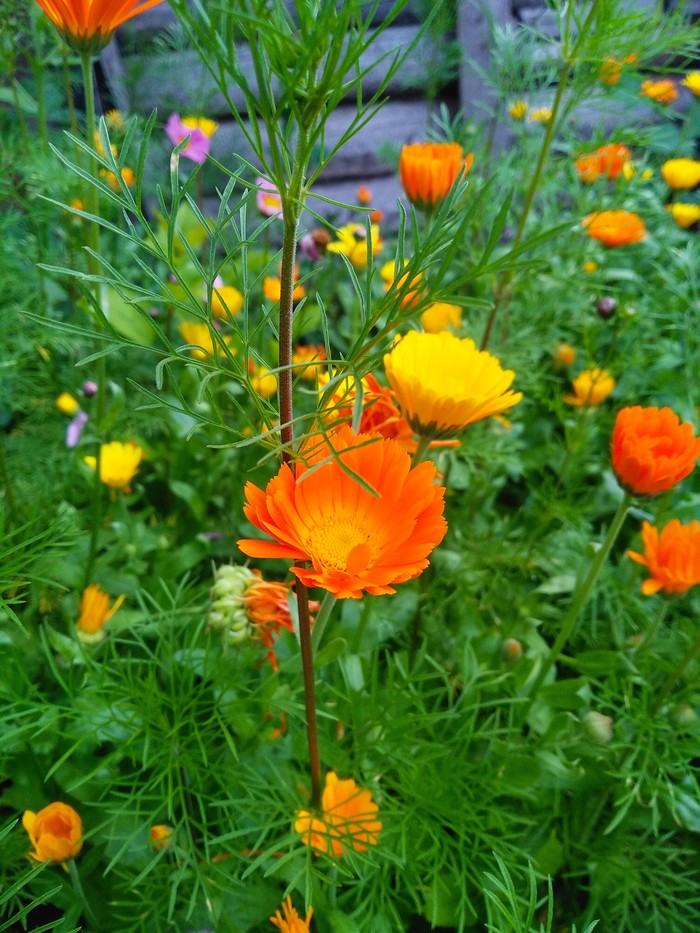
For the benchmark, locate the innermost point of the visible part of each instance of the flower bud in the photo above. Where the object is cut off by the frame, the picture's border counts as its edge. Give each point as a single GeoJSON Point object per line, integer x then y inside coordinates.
{"type": "Point", "coordinates": [683, 715]}
{"type": "Point", "coordinates": [227, 611]}
{"type": "Point", "coordinates": [606, 307]}
{"type": "Point", "coordinates": [512, 649]}
{"type": "Point", "coordinates": [90, 388]}
{"type": "Point", "coordinates": [597, 727]}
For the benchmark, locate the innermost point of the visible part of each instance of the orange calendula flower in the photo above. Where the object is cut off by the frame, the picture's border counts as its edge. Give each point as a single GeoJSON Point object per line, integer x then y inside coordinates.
{"type": "Point", "coordinates": [684, 215]}
{"type": "Point", "coordinates": [94, 613]}
{"type": "Point", "coordinates": [681, 173]}
{"type": "Point", "coordinates": [671, 556]}
{"type": "Point", "coordinates": [128, 177]}
{"type": "Point", "coordinates": [226, 302]}
{"type": "Point", "coordinates": [611, 69]}
{"type": "Point", "coordinates": [160, 835]}
{"type": "Point", "coordinates": [56, 832]}
{"type": "Point", "coordinates": [565, 354]}
{"type": "Point", "coordinates": [442, 383]}
{"type": "Point", "coordinates": [652, 450]}
{"type": "Point", "coordinates": [606, 162]}
{"type": "Point", "coordinates": [289, 920]}
{"type": "Point", "coordinates": [352, 242]}
{"type": "Point", "coordinates": [428, 171]}
{"type": "Point", "coordinates": [87, 25]}
{"type": "Point", "coordinates": [663, 91]}
{"type": "Point", "coordinates": [591, 387]}
{"type": "Point", "coordinates": [615, 228]}
{"type": "Point", "coordinates": [364, 195]}
{"type": "Point", "coordinates": [348, 819]}
{"type": "Point", "coordinates": [266, 604]}
{"type": "Point", "coordinates": [355, 541]}
{"type": "Point", "coordinates": [119, 463]}
{"type": "Point", "coordinates": [272, 288]}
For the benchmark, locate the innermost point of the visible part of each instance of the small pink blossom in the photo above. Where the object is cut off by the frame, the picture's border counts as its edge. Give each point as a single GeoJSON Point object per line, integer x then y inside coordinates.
{"type": "Point", "coordinates": [197, 149]}
{"type": "Point", "coordinates": [268, 198]}
{"type": "Point", "coordinates": [75, 428]}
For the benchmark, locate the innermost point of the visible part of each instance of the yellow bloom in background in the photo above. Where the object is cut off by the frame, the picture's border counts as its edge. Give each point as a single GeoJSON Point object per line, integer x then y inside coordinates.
{"type": "Point", "coordinates": [262, 381]}
{"type": "Point", "coordinates": [663, 91]}
{"type": "Point", "coordinates": [207, 126]}
{"type": "Point", "coordinates": [565, 355]}
{"type": "Point", "coordinates": [685, 215]}
{"type": "Point", "coordinates": [118, 463]}
{"type": "Point", "coordinates": [441, 316]}
{"type": "Point", "coordinates": [692, 82]}
{"type": "Point", "coordinates": [348, 819]}
{"type": "Point", "coordinates": [289, 920]}
{"type": "Point", "coordinates": [388, 276]}
{"type": "Point", "coordinates": [94, 613]}
{"type": "Point", "coordinates": [681, 173]}
{"type": "Point", "coordinates": [272, 288]}
{"type": "Point", "coordinates": [590, 266]}
{"type": "Point", "coordinates": [442, 383]}
{"type": "Point", "coordinates": [66, 404]}
{"type": "Point", "coordinates": [56, 832]}
{"type": "Point", "coordinates": [226, 301]}
{"type": "Point", "coordinates": [115, 121]}
{"type": "Point", "coordinates": [591, 387]}
{"type": "Point", "coordinates": [352, 242]}
{"type": "Point", "coordinates": [518, 109]}
{"type": "Point", "coordinates": [306, 354]}
{"type": "Point", "coordinates": [201, 340]}
{"type": "Point", "coordinates": [541, 114]}
{"type": "Point", "coordinates": [160, 835]}
{"type": "Point", "coordinates": [128, 177]}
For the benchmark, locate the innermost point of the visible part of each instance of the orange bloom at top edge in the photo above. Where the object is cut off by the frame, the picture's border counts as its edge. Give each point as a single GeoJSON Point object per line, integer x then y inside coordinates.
{"type": "Point", "coordinates": [348, 819]}
{"type": "Point", "coordinates": [291, 922]}
{"type": "Point", "coordinates": [428, 171]}
{"type": "Point", "coordinates": [652, 450]}
{"type": "Point", "coordinates": [615, 228]}
{"type": "Point", "coordinates": [56, 832]}
{"type": "Point", "coordinates": [87, 25]}
{"type": "Point", "coordinates": [672, 557]}
{"type": "Point", "coordinates": [355, 541]}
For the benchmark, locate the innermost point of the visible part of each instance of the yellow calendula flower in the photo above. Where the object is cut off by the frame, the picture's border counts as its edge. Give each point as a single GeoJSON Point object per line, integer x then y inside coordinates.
{"type": "Point", "coordinates": [352, 242]}
{"type": "Point", "coordinates": [115, 121]}
{"type": "Point", "coordinates": [66, 404]}
{"type": "Point", "coordinates": [56, 832]}
{"type": "Point", "coordinates": [591, 387]}
{"type": "Point", "coordinates": [589, 266]}
{"type": "Point", "coordinates": [685, 215]}
{"type": "Point", "coordinates": [94, 613]}
{"type": "Point", "coordinates": [207, 126]}
{"type": "Point", "coordinates": [441, 316]}
{"type": "Point", "coordinates": [226, 301]}
{"type": "Point", "coordinates": [518, 109]}
{"type": "Point", "coordinates": [159, 835]}
{"type": "Point", "coordinates": [681, 173]}
{"type": "Point", "coordinates": [442, 383]}
{"type": "Point", "coordinates": [201, 341]}
{"type": "Point", "coordinates": [118, 463]}
{"type": "Point", "coordinates": [541, 114]}
{"type": "Point", "coordinates": [263, 381]}
{"type": "Point", "coordinates": [692, 82]}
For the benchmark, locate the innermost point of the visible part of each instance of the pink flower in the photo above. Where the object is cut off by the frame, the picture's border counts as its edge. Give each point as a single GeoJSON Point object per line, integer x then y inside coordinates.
{"type": "Point", "coordinates": [197, 149]}
{"type": "Point", "coordinates": [268, 198]}
{"type": "Point", "coordinates": [75, 428]}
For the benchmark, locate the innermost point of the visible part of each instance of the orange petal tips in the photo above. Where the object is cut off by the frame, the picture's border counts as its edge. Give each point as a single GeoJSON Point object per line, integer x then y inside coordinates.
{"type": "Point", "coordinates": [672, 557]}
{"type": "Point", "coordinates": [87, 25]}
{"type": "Point", "coordinates": [355, 541]}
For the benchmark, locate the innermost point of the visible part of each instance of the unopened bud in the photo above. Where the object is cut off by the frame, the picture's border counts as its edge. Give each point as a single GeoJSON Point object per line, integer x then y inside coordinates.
{"type": "Point", "coordinates": [227, 611]}
{"type": "Point", "coordinates": [598, 728]}
{"type": "Point", "coordinates": [683, 715]}
{"type": "Point", "coordinates": [606, 307]}
{"type": "Point", "coordinates": [512, 649]}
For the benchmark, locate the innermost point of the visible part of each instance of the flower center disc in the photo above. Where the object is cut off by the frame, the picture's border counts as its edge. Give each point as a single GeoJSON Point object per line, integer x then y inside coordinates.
{"type": "Point", "coordinates": [340, 545]}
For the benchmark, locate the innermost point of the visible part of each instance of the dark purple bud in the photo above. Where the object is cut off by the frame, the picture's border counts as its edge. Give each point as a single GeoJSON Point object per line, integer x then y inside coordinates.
{"type": "Point", "coordinates": [90, 388]}
{"type": "Point", "coordinates": [606, 307]}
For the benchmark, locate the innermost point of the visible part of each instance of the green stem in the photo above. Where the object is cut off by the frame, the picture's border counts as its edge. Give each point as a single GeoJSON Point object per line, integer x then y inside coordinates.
{"type": "Point", "coordinates": [421, 450]}
{"type": "Point", "coordinates": [38, 69]}
{"type": "Point", "coordinates": [582, 594]}
{"type": "Point", "coordinates": [80, 891]}
{"type": "Point", "coordinates": [9, 492]}
{"type": "Point", "coordinates": [675, 675]}
{"type": "Point", "coordinates": [656, 625]}
{"type": "Point", "coordinates": [94, 235]}
{"type": "Point", "coordinates": [70, 101]}
{"type": "Point", "coordinates": [322, 618]}
{"type": "Point", "coordinates": [501, 290]}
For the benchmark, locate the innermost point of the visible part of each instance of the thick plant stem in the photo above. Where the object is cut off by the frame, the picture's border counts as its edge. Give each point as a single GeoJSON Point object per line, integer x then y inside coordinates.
{"type": "Point", "coordinates": [582, 594]}
{"type": "Point", "coordinates": [502, 287]}
{"type": "Point", "coordinates": [94, 235]}
{"type": "Point", "coordinates": [292, 201]}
